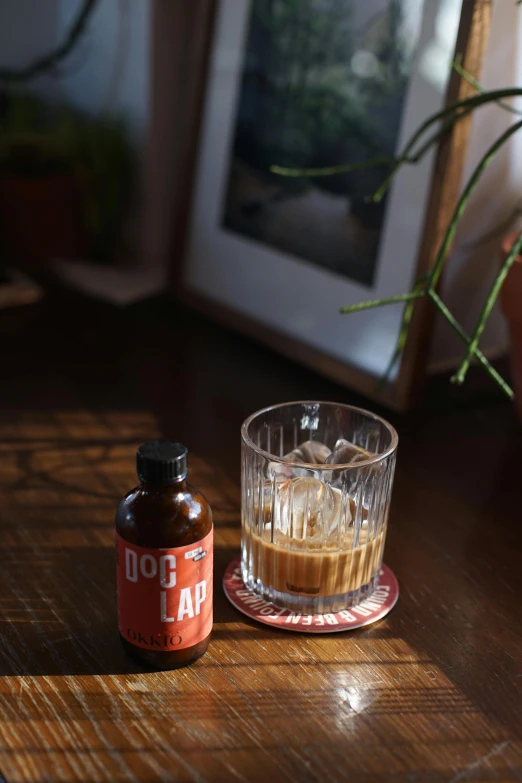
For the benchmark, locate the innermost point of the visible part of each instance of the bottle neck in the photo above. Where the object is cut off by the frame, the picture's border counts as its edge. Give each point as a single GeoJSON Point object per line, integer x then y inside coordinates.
{"type": "Point", "coordinates": [177, 485]}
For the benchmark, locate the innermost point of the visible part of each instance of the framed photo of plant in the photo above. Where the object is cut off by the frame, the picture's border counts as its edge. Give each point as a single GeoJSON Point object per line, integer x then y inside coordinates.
{"type": "Point", "coordinates": [302, 88]}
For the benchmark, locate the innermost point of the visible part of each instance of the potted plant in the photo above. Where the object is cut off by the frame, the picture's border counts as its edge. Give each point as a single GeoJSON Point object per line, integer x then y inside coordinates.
{"type": "Point", "coordinates": [40, 201]}
{"type": "Point", "coordinates": [65, 180]}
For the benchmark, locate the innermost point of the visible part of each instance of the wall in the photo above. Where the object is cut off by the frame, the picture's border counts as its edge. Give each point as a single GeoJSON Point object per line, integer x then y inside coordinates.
{"type": "Point", "coordinates": [471, 267]}
{"type": "Point", "coordinates": [109, 71]}
{"type": "Point", "coordinates": [27, 30]}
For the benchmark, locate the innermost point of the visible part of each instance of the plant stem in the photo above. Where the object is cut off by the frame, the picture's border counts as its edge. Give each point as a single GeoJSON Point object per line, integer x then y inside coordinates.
{"type": "Point", "coordinates": [416, 156]}
{"type": "Point", "coordinates": [328, 171]}
{"type": "Point", "coordinates": [486, 310]}
{"type": "Point", "coordinates": [477, 85]}
{"type": "Point", "coordinates": [427, 287]}
{"type": "Point", "coordinates": [51, 59]}
{"type": "Point", "coordinates": [439, 304]}
{"type": "Point", "coordinates": [453, 113]}
{"type": "Point", "coordinates": [355, 308]}
{"type": "Point", "coordinates": [407, 314]}
{"type": "Point", "coordinates": [462, 203]}
{"type": "Point", "coordinates": [444, 128]}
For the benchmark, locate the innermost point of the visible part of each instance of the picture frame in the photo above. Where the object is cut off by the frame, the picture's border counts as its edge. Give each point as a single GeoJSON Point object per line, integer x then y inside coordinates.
{"type": "Point", "coordinates": [250, 285]}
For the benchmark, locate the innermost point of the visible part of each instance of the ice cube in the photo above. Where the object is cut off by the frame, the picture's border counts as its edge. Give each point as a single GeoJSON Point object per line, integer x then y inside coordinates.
{"type": "Point", "coordinates": [346, 453]}
{"type": "Point", "coordinates": [311, 451]}
{"type": "Point", "coordinates": [265, 499]}
{"type": "Point", "coordinates": [308, 509]}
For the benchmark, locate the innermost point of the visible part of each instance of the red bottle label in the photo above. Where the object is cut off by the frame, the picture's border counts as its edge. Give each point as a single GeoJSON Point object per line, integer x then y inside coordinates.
{"type": "Point", "coordinates": [165, 595]}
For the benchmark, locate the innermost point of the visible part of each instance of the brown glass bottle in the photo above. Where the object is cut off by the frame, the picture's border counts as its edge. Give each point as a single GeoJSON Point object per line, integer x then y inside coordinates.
{"type": "Point", "coordinates": [156, 519]}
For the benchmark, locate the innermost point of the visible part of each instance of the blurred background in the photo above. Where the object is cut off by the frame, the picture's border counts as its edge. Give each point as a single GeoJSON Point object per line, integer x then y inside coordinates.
{"type": "Point", "coordinates": [90, 152]}
{"type": "Point", "coordinates": [75, 107]}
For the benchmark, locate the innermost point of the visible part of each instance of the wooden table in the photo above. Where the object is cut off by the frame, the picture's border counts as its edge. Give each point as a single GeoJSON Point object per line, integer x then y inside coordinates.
{"type": "Point", "coordinates": [431, 693]}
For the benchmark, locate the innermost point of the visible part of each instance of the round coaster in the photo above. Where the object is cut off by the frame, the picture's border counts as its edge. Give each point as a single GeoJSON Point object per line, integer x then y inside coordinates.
{"type": "Point", "coordinates": [382, 600]}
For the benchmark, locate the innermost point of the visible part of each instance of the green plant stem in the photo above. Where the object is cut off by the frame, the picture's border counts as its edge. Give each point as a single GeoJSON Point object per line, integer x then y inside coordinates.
{"type": "Point", "coordinates": [449, 115]}
{"type": "Point", "coordinates": [410, 298]}
{"type": "Point", "coordinates": [355, 308]}
{"type": "Point", "coordinates": [486, 310]}
{"type": "Point", "coordinates": [448, 315]}
{"type": "Point", "coordinates": [477, 85]}
{"type": "Point", "coordinates": [328, 171]}
{"type": "Point", "coordinates": [51, 59]}
{"type": "Point", "coordinates": [444, 128]}
{"type": "Point", "coordinates": [454, 114]}
{"type": "Point", "coordinates": [463, 200]}
{"type": "Point", "coordinates": [434, 275]}
{"type": "Point", "coordinates": [414, 157]}
{"type": "Point", "coordinates": [407, 314]}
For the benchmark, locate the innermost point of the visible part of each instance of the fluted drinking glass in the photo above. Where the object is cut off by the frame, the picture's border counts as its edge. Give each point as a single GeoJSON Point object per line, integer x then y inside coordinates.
{"type": "Point", "coordinates": [313, 532]}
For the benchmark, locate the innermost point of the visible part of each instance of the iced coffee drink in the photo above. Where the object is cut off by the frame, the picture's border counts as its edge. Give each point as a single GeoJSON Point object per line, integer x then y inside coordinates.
{"type": "Point", "coordinates": [316, 487]}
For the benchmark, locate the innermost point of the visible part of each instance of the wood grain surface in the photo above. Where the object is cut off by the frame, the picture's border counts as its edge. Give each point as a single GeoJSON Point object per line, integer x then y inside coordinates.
{"type": "Point", "coordinates": [431, 693]}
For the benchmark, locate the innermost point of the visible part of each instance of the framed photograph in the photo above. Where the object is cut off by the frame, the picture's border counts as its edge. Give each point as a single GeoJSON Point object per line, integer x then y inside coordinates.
{"type": "Point", "coordinates": [310, 84]}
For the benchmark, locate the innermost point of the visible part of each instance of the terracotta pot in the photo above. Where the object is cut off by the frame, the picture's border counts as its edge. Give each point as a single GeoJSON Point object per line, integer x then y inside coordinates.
{"type": "Point", "coordinates": [41, 219]}
{"type": "Point", "coordinates": [511, 301]}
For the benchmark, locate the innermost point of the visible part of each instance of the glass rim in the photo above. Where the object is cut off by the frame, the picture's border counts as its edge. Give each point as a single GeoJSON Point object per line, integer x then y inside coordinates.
{"type": "Point", "coordinates": [321, 465]}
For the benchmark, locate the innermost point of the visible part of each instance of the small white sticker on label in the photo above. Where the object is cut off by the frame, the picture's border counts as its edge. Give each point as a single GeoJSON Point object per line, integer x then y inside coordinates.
{"type": "Point", "coordinates": [193, 553]}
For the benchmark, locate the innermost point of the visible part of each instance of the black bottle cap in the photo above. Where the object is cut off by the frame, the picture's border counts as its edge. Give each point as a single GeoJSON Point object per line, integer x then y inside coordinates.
{"type": "Point", "coordinates": [161, 462]}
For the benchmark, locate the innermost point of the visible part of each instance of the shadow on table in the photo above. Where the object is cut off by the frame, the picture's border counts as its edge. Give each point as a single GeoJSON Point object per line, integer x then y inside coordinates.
{"type": "Point", "coordinates": [58, 612]}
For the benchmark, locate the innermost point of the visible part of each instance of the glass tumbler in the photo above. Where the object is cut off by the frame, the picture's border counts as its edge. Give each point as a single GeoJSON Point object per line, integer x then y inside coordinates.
{"type": "Point", "coordinates": [316, 486]}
